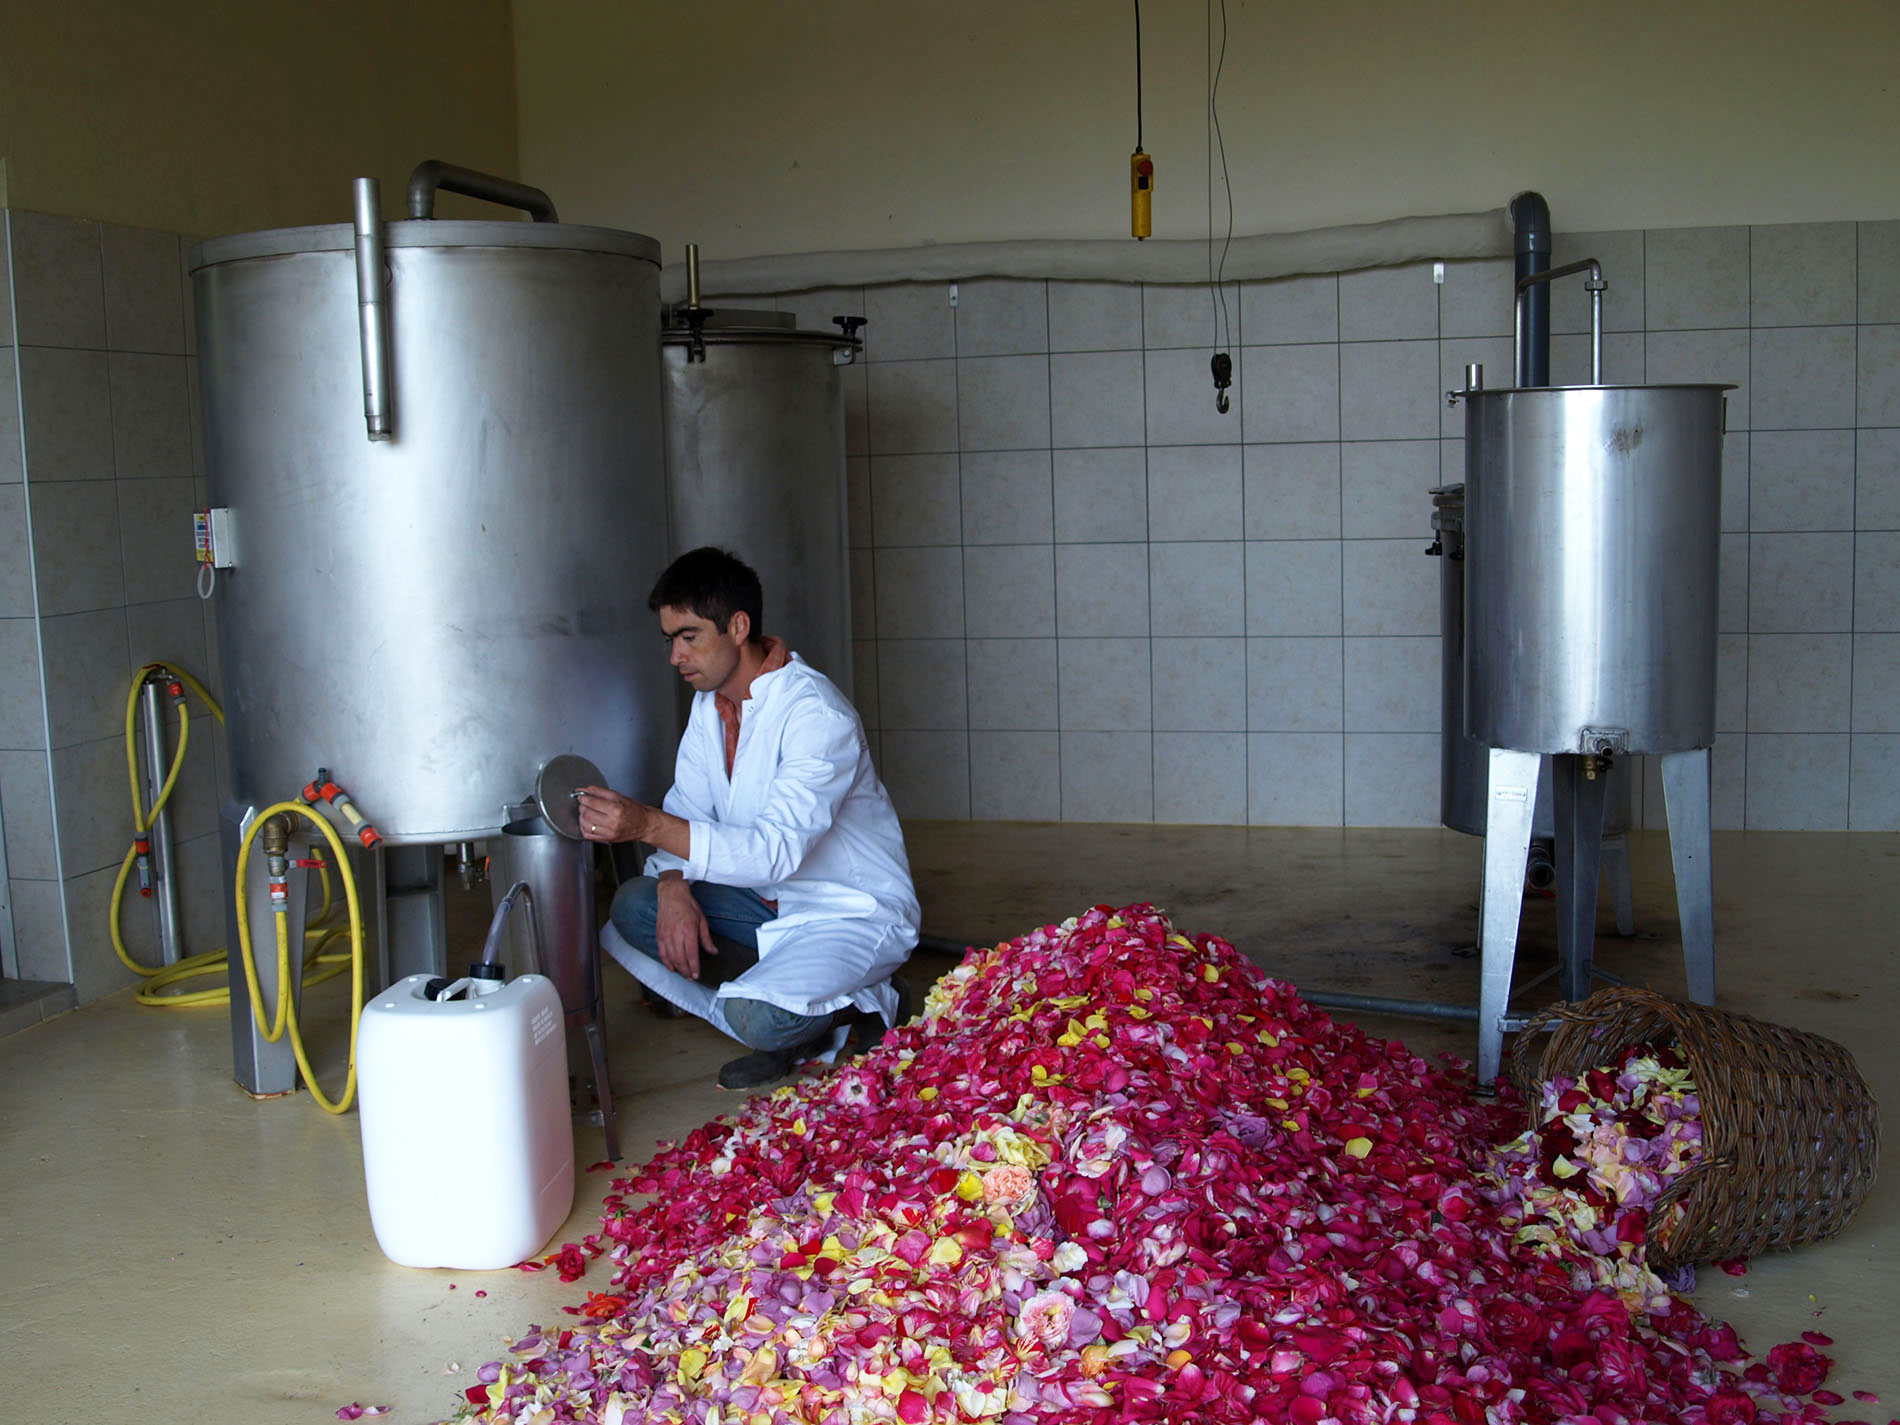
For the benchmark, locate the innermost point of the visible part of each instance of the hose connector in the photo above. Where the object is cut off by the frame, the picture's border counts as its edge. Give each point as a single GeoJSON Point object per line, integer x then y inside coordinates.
{"type": "Point", "coordinates": [323, 788]}
{"type": "Point", "coordinates": [142, 847]}
{"type": "Point", "coordinates": [275, 834]}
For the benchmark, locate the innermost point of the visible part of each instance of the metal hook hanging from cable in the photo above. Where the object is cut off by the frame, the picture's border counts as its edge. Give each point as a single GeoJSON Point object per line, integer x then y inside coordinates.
{"type": "Point", "coordinates": [1222, 364]}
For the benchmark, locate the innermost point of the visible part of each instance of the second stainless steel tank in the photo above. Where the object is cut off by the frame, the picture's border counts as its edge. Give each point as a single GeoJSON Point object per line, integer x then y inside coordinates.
{"type": "Point", "coordinates": [755, 463]}
{"type": "Point", "coordinates": [1592, 519]}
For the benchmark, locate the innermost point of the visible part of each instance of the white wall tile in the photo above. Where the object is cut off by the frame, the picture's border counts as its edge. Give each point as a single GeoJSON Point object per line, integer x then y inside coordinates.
{"type": "Point", "coordinates": [857, 484]}
{"type": "Point", "coordinates": [1012, 684]}
{"type": "Point", "coordinates": [1728, 783]}
{"type": "Point", "coordinates": [1295, 685]}
{"type": "Point", "coordinates": [22, 713]}
{"type": "Point", "coordinates": [1673, 358]}
{"type": "Point", "coordinates": [1801, 378]}
{"type": "Point", "coordinates": [864, 689]}
{"type": "Point", "coordinates": [863, 594]}
{"type": "Point", "coordinates": [1293, 587]}
{"type": "Point", "coordinates": [1009, 590]}
{"type": "Point", "coordinates": [26, 799]}
{"type": "Point", "coordinates": [1194, 492]}
{"type": "Point", "coordinates": [1391, 587]}
{"type": "Point", "coordinates": [1015, 776]}
{"type": "Point", "coordinates": [1296, 393]}
{"type": "Point", "coordinates": [1876, 682]}
{"type": "Point", "coordinates": [1198, 590]}
{"type": "Point", "coordinates": [1800, 480]}
{"type": "Point", "coordinates": [1105, 685]}
{"type": "Point", "coordinates": [6, 282]}
{"type": "Point", "coordinates": [1001, 316]}
{"type": "Point", "coordinates": [1392, 685]}
{"type": "Point", "coordinates": [151, 425]}
{"type": "Point", "coordinates": [1386, 487]}
{"type": "Point", "coordinates": [12, 471]}
{"type": "Point", "coordinates": [1874, 794]}
{"type": "Point", "coordinates": [1802, 274]}
{"type": "Point", "coordinates": [1731, 682]}
{"type": "Point", "coordinates": [1570, 360]}
{"type": "Point", "coordinates": [1695, 277]}
{"type": "Point", "coordinates": [1291, 491]}
{"type": "Point", "coordinates": [89, 801]}
{"type": "Point", "coordinates": [1200, 684]}
{"type": "Point", "coordinates": [1800, 583]}
{"type": "Point", "coordinates": [1621, 256]}
{"type": "Point", "coordinates": [1102, 590]}
{"type": "Point", "coordinates": [920, 593]}
{"type": "Point", "coordinates": [87, 670]}
{"type": "Point", "coordinates": [1877, 582]}
{"type": "Point", "coordinates": [1101, 496]}
{"type": "Point", "coordinates": [1290, 310]}
{"type": "Point", "coordinates": [1495, 354]}
{"type": "Point", "coordinates": [921, 684]}
{"type": "Point", "coordinates": [1797, 782]}
{"type": "Point", "coordinates": [1877, 479]}
{"type": "Point", "coordinates": [1799, 682]}
{"type": "Point", "coordinates": [156, 536]}
{"type": "Point", "coordinates": [1200, 778]}
{"type": "Point", "coordinates": [1388, 303]}
{"type": "Point", "coordinates": [1880, 272]}
{"type": "Point", "coordinates": [1392, 779]}
{"type": "Point", "coordinates": [1731, 604]}
{"type": "Point", "coordinates": [1388, 390]}
{"type": "Point", "coordinates": [854, 380]}
{"type": "Point", "coordinates": [1478, 298]}
{"type": "Point", "coordinates": [1007, 497]}
{"type": "Point", "coordinates": [66, 409]}
{"type": "Point", "coordinates": [913, 407]}
{"type": "Point", "coordinates": [1003, 403]}
{"type": "Point", "coordinates": [915, 499]}
{"type": "Point", "coordinates": [909, 321]}
{"type": "Point", "coordinates": [1295, 779]}
{"type": "Point", "coordinates": [1879, 377]}
{"type": "Point", "coordinates": [16, 560]}
{"type": "Point", "coordinates": [201, 886]}
{"type": "Point", "coordinates": [144, 297]}
{"type": "Point", "coordinates": [39, 922]}
{"type": "Point", "coordinates": [927, 774]}
{"type": "Point", "coordinates": [1094, 316]}
{"type": "Point", "coordinates": [1180, 400]}
{"type": "Point", "coordinates": [58, 283]}
{"type": "Point", "coordinates": [77, 560]}
{"type": "Point", "coordinates": [1107, 776]}
{"type": "Point", "coordinates": [1188, 315]}
{"type": "Point", "coordinates": [1735, 480]}
{"type": "Point", "coordinates": [1095, 398]}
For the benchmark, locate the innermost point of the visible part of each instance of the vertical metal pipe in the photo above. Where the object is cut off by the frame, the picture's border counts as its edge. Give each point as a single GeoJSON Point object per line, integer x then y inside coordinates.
{"type": "Point", "coordinates": [692, 274]}
{"type": "Point", "coordinates": [372, 307]}
{"type": "Point", "coordinates": [1530, 216]}
{"type": "Point", "coordinates": [1596, 326]}
{"type": "Point", "coordinates": [164, 880]}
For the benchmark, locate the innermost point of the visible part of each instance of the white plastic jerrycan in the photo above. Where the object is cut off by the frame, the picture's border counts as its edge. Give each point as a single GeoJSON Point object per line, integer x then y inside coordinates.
{"type": "Point", "coordinates": [468, 1137]}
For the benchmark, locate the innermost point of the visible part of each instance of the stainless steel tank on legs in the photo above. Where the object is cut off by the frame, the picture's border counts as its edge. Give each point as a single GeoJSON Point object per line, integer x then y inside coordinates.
{"type": "Point", "coordinates": [437, 607]}
{"type": "Point", "coordinates": [755, 463]}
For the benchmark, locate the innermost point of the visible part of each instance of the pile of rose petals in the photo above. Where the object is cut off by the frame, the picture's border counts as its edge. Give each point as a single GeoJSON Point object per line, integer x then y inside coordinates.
{"type": "Point", "coordinates": [1114, 1174]}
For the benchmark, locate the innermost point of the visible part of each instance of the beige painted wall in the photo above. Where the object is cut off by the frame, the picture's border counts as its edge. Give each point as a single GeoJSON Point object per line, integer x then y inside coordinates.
{"type": "Point", "coordinates": [219, 115]}
{"type": "Point", "coordinates": [761, 126]}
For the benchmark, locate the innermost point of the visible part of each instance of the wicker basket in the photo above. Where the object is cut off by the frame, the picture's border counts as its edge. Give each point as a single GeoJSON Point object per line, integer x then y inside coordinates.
{"type": "Point", "coordinates": [1791, 1134]}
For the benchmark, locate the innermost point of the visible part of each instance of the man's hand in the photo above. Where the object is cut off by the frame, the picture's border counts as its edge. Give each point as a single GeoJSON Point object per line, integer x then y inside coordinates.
{"type": "Point", "coordinates": [607, 816]}
{"type": "Point", "coordinates": [682, 929]}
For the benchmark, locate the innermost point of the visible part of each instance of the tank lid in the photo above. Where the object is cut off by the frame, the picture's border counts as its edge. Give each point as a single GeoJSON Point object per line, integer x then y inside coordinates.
{"type": "Point", "coordinates": [1491, 391]}
{"type": "Point", "coordinates": [677, 333]}
{"type": "Point", "coordinates": [720, 318]}
{"type": "Point", "coordinates": [429, 232]}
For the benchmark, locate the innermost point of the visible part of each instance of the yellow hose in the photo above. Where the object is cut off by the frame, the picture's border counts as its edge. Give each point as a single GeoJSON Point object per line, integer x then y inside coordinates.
{"type": "Point", "coordinates": [286, 1011]}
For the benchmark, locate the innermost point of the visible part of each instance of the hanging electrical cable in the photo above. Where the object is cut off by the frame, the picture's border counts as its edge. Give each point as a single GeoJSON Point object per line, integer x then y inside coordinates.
{"type": "Point", "coordinates": [1222, 365]}
{"type": "Point", "coordinates": [1141, 168]}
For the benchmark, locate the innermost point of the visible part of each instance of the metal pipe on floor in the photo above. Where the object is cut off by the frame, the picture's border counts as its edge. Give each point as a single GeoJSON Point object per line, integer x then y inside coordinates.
{"type": "Point", "coordinates": [1408, 1008]}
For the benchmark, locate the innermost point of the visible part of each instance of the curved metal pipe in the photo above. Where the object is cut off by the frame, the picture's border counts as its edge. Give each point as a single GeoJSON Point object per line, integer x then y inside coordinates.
{"type": "Point", "coordinates": [1530, 221]}
{"type": "Point", "coordinates": [372, 310]}
{"type": "Point", "coordinates": [433, 174]}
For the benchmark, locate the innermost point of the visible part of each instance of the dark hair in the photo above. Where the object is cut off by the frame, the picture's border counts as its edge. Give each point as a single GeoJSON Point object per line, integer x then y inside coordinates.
{"type": "Point", "coordinates": [715, 585]}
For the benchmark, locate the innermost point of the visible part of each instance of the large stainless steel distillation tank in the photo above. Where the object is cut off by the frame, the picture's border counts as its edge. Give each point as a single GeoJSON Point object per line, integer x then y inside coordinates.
{"type": "Point", "coordinates": [439, 444]}
{"type": "Point", "coordinates": [755, 462]}
{"type": "Point", "coordinates": [1590, 632]}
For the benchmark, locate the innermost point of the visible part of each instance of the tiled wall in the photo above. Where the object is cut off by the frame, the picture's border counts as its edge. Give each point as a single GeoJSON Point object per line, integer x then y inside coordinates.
{"type": "Point", "coordinates": [99, 473]}
{"type": "Point", "coordinates": [1080, 593]}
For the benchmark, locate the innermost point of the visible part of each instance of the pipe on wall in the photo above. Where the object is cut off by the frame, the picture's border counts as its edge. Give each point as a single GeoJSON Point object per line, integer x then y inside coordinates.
{"type": "Point", "coordinates": [1179, 260]}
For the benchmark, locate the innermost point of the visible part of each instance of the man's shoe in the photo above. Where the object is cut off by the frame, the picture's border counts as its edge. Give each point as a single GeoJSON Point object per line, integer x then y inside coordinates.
{"type": "Point", "coordinates": [870, 1029]}
{"type": "Point", "coordinates": [760, 1067]}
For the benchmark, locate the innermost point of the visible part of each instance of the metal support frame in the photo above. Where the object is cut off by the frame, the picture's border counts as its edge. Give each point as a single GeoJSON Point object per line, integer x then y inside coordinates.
{"type": "Point", "coordinates": [1686, 799]}
{"type": "Point", "coordinates": [161, 861]}
{"type": "Point", "coordinates": [1510, 805]}
{"type": "Point", "coordinates": [261, 1069]}
{"type": "Point", "coordinates": [411, 919]}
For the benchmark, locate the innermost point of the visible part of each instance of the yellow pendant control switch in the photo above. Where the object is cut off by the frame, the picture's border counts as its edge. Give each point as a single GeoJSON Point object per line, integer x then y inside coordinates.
{"type": "Point", "coordinates": [1141, 183]}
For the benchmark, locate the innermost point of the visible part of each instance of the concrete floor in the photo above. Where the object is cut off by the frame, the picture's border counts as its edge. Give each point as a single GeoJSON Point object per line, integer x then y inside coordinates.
{"type": "Point", "coordinates": [176, 1252]}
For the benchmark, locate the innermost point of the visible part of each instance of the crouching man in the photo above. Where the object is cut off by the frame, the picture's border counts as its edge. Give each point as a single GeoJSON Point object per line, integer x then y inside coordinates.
{"type": "Point", "coordinates": [777, 904]}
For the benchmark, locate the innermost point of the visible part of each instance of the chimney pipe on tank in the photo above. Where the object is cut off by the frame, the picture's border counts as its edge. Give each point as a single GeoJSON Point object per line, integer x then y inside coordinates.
{"type": "Point", "coordinates": [1530, 219]}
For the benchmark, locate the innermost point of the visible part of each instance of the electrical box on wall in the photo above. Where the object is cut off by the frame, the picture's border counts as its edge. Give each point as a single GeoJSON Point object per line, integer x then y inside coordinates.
{"type": "Point", "coordinates": [214, 533]}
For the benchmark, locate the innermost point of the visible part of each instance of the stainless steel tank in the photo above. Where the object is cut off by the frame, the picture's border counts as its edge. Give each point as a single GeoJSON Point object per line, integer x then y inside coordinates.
{"type": "Point", "coordinates": [755, 463]}
{"type": "Point", "coordinates": [435, 614]}
{"type": "Point", "coordinates": [1592, 533]}
{"type": "Point", "coordinates": [1465, 762]}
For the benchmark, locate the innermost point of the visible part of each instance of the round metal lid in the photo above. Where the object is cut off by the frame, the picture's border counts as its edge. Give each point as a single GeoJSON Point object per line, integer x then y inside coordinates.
{"type": "Point", "coordinates": [554, 789]}
{"type": "Point", "coordinates": [426, 232]}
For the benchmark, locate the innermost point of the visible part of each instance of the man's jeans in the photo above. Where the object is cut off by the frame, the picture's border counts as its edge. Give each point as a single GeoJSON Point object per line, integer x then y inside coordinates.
{"type": "Point", "coordinates": [734, 916]}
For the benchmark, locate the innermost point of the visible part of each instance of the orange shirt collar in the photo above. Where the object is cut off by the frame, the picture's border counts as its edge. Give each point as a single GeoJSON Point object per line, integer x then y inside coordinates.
{"type": "Point", "coordinates": [777, 655]}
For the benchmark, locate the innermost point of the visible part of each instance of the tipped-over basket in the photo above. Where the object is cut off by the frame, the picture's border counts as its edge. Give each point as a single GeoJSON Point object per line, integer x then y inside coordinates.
{"type": "Point", "coordinates": [1790, 1131]}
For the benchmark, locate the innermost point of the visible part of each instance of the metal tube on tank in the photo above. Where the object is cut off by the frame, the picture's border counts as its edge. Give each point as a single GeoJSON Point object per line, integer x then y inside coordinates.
{"type": "Point", "coordinates": [372, 310]}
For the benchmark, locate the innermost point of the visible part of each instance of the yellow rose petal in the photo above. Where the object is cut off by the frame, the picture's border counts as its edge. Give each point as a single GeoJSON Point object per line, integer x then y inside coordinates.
{"type": "Point", "coordinates": [1358, 1147]}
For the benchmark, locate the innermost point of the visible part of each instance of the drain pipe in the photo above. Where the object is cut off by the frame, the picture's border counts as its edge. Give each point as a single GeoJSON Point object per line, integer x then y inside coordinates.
{"type": "Point", "coordinates": [1530, 222]}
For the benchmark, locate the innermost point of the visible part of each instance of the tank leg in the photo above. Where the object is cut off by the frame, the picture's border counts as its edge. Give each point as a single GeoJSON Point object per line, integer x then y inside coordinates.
{"type": "Point", "coordinates": [603, 1089]}
{"type": "Point", "coordinates": [261, 1069]}
{"type": "Point", "coordinates": [1686, 799]}
{"type": "Point", "coordinates": [414, 935]}
{"type": "Point", "coordinates": [1579, 817]}
{"type": "Point", "coordinates": [1510, 802]}
{"type": "Point", "coordinates": [1616, 870]}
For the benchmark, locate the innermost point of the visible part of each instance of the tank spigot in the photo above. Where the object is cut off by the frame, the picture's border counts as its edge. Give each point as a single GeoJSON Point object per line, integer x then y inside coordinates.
{"type": "Point", "coordinates": [472, 869]}
{"type": "Point", "coordinates": [275, 834]}
{"type": "Point", "coordinates": [1596, 765]}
